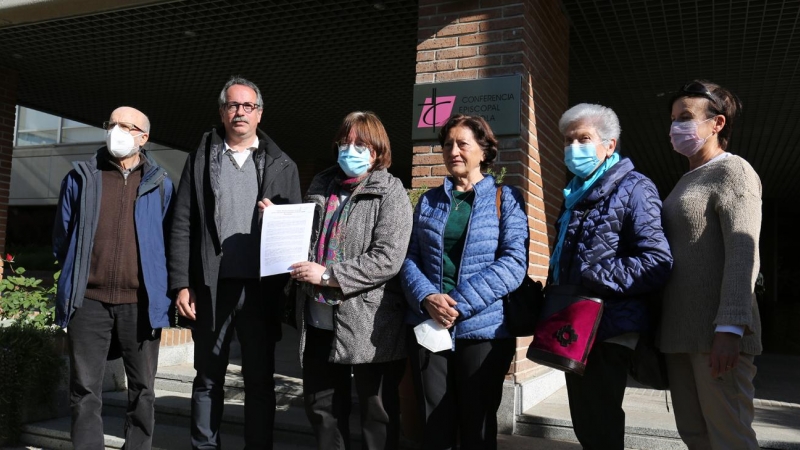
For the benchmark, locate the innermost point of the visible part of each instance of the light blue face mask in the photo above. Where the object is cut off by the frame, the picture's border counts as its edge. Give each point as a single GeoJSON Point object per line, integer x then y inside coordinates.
{"type": "Point", "coordinates": [353, 162]}
{"type": "Point", "coordinates": [581, 159]}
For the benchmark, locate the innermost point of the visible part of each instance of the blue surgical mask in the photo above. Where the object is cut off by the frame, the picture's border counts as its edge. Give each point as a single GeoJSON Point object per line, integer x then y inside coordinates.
{"type": "Point", "coordinates": [353, 162]}
{"type": "Point", "coordinates": [581, 159]}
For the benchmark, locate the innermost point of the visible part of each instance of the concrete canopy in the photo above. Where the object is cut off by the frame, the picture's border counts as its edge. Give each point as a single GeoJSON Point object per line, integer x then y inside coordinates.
{"type": "Point", "coordinates": [314, 61]}
{"type": "Point", "coordinates": [632, 55]}
{"type": "Point", "coordinates": [317, 60]}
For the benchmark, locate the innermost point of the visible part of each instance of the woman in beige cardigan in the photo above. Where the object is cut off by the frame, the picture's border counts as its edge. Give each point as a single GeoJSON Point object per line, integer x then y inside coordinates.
{"type": "Point", "coordinates": [710, 327]}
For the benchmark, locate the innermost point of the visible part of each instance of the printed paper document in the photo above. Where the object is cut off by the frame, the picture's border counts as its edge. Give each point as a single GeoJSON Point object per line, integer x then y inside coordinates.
{"type": "Point", "coordinates": [285, 237]}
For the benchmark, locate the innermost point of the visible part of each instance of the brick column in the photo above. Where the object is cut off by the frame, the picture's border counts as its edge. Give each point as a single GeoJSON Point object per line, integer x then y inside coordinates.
{"type": "Point", "coordinates": [8, 111]}
{"type": "Point", "coordinates": [462, 40]}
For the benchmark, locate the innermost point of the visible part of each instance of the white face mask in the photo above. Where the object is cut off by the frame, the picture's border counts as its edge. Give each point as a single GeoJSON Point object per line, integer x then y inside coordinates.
{"type": "Point", "coordinates": [121, 144]}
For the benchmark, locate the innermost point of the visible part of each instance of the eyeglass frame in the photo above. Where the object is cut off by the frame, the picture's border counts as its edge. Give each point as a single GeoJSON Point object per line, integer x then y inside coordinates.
{"type": "Point", "coordinates": [232, 107]}
{"type": "Point", "coordinates": [108, 124]}
{"type": "Point", "coordinates": [342, 146]}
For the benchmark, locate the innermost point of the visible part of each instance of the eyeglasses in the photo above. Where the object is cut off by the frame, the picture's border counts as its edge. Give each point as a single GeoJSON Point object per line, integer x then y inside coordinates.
{"type": "Point", "coordinates": [360, 148]}
{"type": "Point", "coordinates": [124, 126]}
{"type": "Point", "coordinates": [247, 107]}
{"type": "Point", "coordinates": [694, 89]}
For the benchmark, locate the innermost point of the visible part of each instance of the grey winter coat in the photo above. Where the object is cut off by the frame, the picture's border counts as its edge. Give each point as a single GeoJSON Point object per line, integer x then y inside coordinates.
{"type": "Point", "coordinates": [369, 324]}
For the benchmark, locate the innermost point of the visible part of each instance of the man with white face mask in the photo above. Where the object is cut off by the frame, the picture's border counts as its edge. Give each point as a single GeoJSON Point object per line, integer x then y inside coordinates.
{"type": "Point", "coordinates": [109, 241]}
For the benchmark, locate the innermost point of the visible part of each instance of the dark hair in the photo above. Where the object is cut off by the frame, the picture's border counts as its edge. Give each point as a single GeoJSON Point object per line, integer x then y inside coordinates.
{"type": "Point", "coordinates": [370, 130]}
{"type": "Point", "coordinates": [482, 131]}
{"type": "Point", "coordinates": [719, 101]}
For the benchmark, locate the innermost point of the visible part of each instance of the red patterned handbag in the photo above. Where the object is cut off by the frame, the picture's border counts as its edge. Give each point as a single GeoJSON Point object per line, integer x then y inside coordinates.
{"type": "Point", "coordinates": [566, 329]}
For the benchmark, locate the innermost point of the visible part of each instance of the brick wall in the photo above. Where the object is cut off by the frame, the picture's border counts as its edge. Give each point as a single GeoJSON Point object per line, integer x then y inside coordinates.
{"type": "Point", "coordinates": [171, 337]}
{"type": "Point", "coordinates": [8, 102]}
{"type": "Point", "coordinates": [462, 40]}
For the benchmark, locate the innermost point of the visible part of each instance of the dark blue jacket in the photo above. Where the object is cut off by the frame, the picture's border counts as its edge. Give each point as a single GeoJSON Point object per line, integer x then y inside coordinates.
{"type": "Point", "coordinates": [76, 223]}
{"type": "Point", "coordinates": [493, 264]}
{"type": "Point", "coordinates": [615, 246]}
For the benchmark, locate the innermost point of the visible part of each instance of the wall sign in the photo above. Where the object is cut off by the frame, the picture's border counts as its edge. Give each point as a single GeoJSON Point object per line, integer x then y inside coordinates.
{"type": "Point", "coordinates": [495, 99]}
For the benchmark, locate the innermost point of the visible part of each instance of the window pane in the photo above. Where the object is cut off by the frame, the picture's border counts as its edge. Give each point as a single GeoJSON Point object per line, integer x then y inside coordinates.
{"type": "Point", "coordinates": [82, 134]}
{"type": "Point", "coordinates": [41, 137]}
{"type": "Point", "coordinates": [30, 119]}
{"type": "Point", "coordinates": [72, 123]}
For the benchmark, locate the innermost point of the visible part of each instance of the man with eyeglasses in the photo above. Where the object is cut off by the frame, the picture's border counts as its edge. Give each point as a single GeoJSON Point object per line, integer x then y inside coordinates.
{"type": "Point", "coordinates": [214, 263]}
{"type": "Point", "coordinates": [108, 239]}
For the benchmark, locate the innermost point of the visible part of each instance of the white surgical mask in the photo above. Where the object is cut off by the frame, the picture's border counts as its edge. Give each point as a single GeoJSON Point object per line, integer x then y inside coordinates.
{"type": "Point", "coordinates": [121, 144]}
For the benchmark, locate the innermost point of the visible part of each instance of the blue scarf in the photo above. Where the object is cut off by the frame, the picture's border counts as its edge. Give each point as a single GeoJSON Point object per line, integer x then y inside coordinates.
{"type": "Point", "coordinates": [575, 191]}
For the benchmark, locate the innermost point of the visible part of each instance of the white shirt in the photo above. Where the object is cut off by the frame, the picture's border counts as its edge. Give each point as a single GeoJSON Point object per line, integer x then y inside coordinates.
{"type": "Point", "coordinates": [241, 156]}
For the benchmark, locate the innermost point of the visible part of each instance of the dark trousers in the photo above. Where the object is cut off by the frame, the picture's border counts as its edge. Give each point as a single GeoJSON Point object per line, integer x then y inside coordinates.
{"type": "Point", "coordinates": [459, 391]}
{"type": "Point", "coordinates": [90, 332]}
{"type": "Point", "coordinates": [326, 389]}
{"type": "Point", "coordinates": [240, 306]}
{"type": "Point", "coordinates": [595, 399]}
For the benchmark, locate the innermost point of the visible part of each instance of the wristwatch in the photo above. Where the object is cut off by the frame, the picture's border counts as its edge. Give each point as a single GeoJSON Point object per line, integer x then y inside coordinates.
{"type": "Point", "coordinates": [326, 278]}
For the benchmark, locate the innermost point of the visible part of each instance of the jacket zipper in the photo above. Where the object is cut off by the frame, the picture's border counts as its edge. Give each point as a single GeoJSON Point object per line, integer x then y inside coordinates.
{"type": "Point", "coordinates": [460, 266]}
{"type": "Point", "coordinates": [121, 209]}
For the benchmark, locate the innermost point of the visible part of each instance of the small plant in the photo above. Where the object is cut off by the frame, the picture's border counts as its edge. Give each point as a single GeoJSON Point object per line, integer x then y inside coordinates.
{"type": "Point", "coordinates": [415, 194]}
{"type": "Point", "coordinates": [24, 299]}
{"type": "Point", "coordinates": [499, 176]}
{"type": "Point", "coordinates": [30, 370]}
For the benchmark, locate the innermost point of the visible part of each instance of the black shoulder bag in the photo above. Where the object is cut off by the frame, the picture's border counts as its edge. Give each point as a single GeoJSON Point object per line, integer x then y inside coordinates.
{"type": "Point", "coordinates": [521, 307]}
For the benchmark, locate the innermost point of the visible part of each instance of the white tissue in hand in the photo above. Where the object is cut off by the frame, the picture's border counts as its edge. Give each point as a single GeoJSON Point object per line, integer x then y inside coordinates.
{"type": "Point", "coordinates": [433, 336]}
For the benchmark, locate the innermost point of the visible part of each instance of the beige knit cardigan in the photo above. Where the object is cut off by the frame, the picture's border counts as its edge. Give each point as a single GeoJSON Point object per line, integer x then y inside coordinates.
{"type": "Point", "coordinates": [712, 220]}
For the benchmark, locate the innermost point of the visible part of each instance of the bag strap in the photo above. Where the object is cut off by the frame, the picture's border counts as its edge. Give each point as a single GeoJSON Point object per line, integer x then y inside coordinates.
{"type": "Point", "coordinates": [498, 201]}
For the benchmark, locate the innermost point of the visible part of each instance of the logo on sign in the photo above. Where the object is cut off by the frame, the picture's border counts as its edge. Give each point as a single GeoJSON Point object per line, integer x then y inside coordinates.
{"type": "Point", "coordinates": [436, 111]}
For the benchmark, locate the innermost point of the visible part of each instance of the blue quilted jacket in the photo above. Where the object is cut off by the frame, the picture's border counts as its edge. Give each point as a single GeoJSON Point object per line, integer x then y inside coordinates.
{"type": "Point", "coordinates": [615, 246]}
{"type": "Point", "coordinates": [493, 263]}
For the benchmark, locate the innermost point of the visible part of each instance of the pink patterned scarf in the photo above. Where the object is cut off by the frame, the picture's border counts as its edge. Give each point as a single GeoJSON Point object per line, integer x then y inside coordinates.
{"type": "Point", "coordinates": [331, 236]}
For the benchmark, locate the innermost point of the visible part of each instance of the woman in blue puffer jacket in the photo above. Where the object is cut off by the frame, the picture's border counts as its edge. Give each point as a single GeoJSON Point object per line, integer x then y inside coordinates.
{"type": "Point", "coordinates": [461, 261]}
{"type": "Point", "coordinates": [610, 241]}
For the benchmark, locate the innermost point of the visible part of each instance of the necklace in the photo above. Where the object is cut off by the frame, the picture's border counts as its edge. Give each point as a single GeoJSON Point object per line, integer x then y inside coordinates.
{"type": "Point", "coordinates": [458, 203]}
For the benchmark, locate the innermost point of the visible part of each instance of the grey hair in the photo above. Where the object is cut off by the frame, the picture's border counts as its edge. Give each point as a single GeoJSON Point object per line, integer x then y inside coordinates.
{"type": "Point", "coordinates": [604, 119]}
{"type": "Point", "coordinates": [241, 81]}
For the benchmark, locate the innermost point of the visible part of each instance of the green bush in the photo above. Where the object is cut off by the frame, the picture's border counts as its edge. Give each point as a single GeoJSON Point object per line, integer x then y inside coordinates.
{"type": "Point", "coordinates": [30, 370]}
{"type": "Point", "coordinates": [25, 300]}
